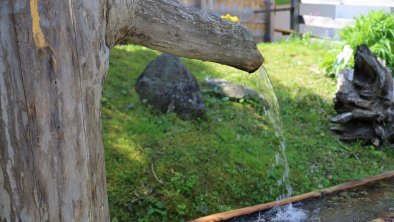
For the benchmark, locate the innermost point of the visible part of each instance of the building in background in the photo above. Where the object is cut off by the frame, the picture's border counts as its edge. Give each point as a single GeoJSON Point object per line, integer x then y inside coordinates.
{"type": "Point", "coordinates": [325, 18]}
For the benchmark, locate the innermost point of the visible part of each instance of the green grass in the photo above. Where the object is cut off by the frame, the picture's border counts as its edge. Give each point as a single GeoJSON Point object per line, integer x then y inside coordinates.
{"type": "Point", "coordinates": [224, 160]}
{"type": "Point", "coordinates": [282, 2]}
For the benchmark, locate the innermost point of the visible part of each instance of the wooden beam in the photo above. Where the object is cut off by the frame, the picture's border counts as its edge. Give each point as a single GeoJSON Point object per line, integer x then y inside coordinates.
{"type": "Point", "coordinates": [378, 3]}
{"type": "Point", "coordinates": [267, 28]}
{"type": "Point", "coordinates": [294, 15]}
{"type": "Point", "coordinates": [315, 194]}
{"type": "Point", "coordinates": [325, 22]}
{"type": "Point", "coordinates": [284, 31]}
{"type": "Point", "coordinates": [289, 32]}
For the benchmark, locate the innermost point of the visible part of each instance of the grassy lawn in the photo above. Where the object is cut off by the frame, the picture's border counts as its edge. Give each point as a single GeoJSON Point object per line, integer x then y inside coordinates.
{"type": "Point", "coordinates": [160, 168]}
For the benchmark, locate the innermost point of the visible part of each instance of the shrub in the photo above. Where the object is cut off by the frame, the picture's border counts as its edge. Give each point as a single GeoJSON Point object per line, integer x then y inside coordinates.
{"type": "Point", "coordinates": [376, 30]}
{"type": "Point", "coordinates": [335, 60]}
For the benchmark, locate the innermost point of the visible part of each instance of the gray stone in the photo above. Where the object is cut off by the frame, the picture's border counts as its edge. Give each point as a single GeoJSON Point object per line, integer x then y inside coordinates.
{"type": "Point", "coordinates": [231, 90]}
{"type": "Point", "coordinates": [167, 85]}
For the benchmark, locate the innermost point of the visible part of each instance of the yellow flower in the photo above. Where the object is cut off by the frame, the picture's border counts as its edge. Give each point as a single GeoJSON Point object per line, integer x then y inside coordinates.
{"type": "Point", "coordinates": [230, 18]}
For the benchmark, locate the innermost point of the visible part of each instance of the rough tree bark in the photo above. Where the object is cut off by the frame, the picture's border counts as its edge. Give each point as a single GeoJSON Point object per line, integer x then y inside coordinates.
{"type": "Point", "coordinates": [364, 102]}
{"type": "Point", "coordinates": [53, 61]}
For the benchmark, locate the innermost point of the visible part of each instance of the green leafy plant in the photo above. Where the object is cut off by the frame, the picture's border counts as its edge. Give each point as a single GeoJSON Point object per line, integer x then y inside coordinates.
{"type": "Point", "coordinates": [376, 30]}
{"type": "Point", "coordinates": [336, 60]}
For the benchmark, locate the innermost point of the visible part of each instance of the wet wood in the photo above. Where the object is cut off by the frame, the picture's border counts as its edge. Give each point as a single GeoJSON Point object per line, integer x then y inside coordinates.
{"type": "Point", "coordinates": [364, 102]}
{"type": "Point", "coordinates": [316, 194]}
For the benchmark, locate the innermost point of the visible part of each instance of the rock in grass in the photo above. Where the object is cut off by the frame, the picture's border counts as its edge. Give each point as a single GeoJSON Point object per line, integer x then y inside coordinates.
{"type": "Point", "coordinates": [228, 89]}
{"type": "Point", "coordinates": [167, 85]}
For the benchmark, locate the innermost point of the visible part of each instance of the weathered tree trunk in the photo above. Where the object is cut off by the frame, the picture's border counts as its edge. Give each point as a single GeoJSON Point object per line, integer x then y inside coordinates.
{"type": "Point", "coordinates": [364, 102]}
{"type": "Point", "coordinates": [53, 60]}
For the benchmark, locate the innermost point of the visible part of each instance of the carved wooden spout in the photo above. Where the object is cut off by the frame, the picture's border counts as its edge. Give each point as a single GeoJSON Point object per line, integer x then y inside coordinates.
{"type": "Point", "coordinates": [170, 26]}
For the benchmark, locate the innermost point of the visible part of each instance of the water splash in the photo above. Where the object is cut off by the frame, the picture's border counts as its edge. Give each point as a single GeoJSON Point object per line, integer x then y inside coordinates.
{"type": "Point", "coordinates": [286, 213]}
{"type": "Point", "coordinates": [272, 111]}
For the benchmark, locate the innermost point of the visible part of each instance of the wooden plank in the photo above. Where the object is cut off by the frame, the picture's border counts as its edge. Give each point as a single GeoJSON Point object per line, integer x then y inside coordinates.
{"type": "Point", "coordinates": [378, 3]}
{"type": "Point", "coordinates": [250, 210]}
{"type": "Point", "coordinates": [325, 22]}
{"type": "Point", "coordinates": [244, 10]}
{"type": "Point", "coordinates": [316, 194]}
{"type": "Point", "coordinates": [290, 31]}
{"type": "Point", "coordinates": [284, 31]}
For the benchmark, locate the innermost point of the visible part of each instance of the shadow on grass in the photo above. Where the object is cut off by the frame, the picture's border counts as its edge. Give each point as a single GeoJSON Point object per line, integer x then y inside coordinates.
{"type": "Point", "coordinates": [160, 168]}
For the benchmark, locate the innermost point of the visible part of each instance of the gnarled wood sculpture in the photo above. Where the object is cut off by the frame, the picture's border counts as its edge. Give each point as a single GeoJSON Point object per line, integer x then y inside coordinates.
{"type": "Point", "coordinates": [54, 56]}
{"type": "Point", "coordinates": [364, 102]}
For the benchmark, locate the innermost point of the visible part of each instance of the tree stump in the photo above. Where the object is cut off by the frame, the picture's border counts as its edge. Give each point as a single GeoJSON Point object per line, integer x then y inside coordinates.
{"type": "Point", "coordinates": [364, 102]}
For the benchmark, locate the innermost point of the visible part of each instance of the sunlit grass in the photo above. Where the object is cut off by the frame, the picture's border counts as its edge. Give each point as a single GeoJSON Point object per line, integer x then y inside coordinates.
{"type": "Point", "coordinates": [160, 168]}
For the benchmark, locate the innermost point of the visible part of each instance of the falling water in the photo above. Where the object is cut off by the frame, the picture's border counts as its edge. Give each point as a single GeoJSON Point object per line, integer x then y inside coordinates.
{"type": "Point", "coordinates": [272, 111]}
{"type": "Point", "coordinates": [353, 205]}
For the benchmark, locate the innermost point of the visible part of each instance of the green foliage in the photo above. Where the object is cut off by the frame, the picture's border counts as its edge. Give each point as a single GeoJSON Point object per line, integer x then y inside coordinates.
{"type": "Point", "coordinates": [335, 60]}
{"type": "Point", "coordinates": [376, 30]}
{"type": "Point", "coordinates": [282, 2]}
{"type": "Point", "coordinates": [224, 160]}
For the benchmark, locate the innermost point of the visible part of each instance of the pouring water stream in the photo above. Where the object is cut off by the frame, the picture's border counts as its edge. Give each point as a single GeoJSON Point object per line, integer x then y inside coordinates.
{"type": "Point", "coordinates": [352, 205]}
{"type": "Point", "coordinates": [272, 111]}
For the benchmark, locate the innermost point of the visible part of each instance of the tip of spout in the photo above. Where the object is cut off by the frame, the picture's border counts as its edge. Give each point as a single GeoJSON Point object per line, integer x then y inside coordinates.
{"type": "Point", "coordinates": [252, 64]}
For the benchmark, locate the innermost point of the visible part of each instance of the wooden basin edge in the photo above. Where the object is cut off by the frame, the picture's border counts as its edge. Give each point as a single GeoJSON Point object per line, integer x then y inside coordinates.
{"type": "Point", "coordinates": [315, 194]}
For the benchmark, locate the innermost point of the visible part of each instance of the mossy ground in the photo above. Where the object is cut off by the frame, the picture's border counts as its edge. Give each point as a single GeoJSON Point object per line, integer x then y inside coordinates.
{"type": "Point", "coordinates": [225, 159]}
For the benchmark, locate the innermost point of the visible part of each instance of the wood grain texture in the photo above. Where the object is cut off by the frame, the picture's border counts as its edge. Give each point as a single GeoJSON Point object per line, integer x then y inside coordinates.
{"type": "Point", "coordinates": [52, 63]}
{"type": "Point", "coordinates": [173, 27]}
{"type": "Point", "coordinates": [54, 56]}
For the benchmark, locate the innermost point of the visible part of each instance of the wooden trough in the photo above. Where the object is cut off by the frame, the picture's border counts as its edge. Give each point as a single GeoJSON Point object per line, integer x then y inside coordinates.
{"type": "Point", "coordinates": [307, 196]}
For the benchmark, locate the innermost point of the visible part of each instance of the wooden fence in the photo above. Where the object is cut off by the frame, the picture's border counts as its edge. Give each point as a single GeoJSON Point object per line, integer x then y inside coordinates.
{"type": "Point", "coordinates": [258, 15]}
{"type": "Point", "coordinates": [244, 10]}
